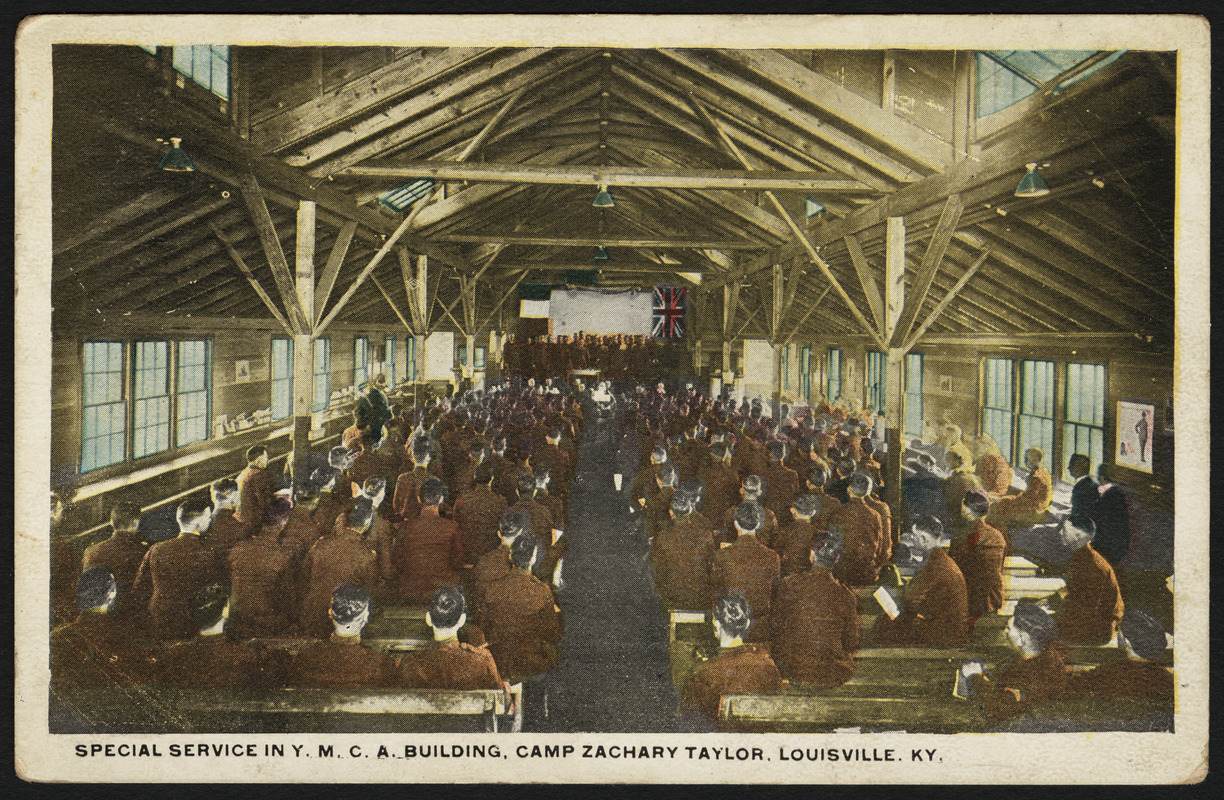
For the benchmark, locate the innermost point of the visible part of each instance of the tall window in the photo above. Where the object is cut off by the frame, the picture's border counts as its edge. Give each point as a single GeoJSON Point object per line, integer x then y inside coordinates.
{"type": "Point", "coordinates": [105, 412]}
{"type": "Point", "coordinates": [282, 378]}
{"type": "Point", "coordinates": [479, 363]}
{"type": "Point", "coordinates": [151, 391]}
{"type": "Point", "coordinates": [1084, 421]}
{"type": "Point", "coordinates": [389, 362]}
{"type": "Point", "coordinates": [877, 378]}
{"type": "Point", "coordinates": [361, 361]}
{"type": "Point", "coordinates": [193, 382]}
{"type": "Point", "coordinates": [410, 356]}
{"type": "Point", "coordinates": [1036, 407]}
{"type": "Point", "coordinates": [998, 419]}
{"type": "Point", "coordinates": [805, 372]}
{"type": "Point", "coordinates": [834, 388]}
{"type": "Point", "coordinates": [786, 368]}
{"type": "Point", "coordinates": [913, 395]}
{"type": "Point", "coordinates": [463, 354]}
{"type": "Point", "coordinates": [207, 65]}
{"type": "Point", "coordinates": [322, 374]}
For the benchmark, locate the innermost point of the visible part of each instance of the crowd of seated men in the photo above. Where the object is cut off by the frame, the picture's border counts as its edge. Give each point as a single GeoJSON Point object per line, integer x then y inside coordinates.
{"type": "Point", "coordinates": [446, 506]}
{"type": "Point", "coordinates": [773, 526]}
{"type": "Point", "coordinates": [617, 357]}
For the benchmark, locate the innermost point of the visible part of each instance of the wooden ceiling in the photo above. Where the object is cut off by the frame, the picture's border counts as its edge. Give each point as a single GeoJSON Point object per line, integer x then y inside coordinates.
{"type": "Point", "coordinates": [709, 154]}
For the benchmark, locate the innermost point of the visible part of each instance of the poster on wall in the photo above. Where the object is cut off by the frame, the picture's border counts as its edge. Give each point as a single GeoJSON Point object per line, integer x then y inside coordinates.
{"type": "Point", "coordinates": [1136, 426]}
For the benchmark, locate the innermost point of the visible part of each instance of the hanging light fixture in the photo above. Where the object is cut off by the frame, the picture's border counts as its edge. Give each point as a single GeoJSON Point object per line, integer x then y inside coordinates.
{"type": "Point", "coordinates": [601, 254]}
{"type": "Point", "coordinates": [1032, 184]}
{"type": "Point", "coordinates": [176, 159]}
{"type": "Point", "coordinates": [603, 199]}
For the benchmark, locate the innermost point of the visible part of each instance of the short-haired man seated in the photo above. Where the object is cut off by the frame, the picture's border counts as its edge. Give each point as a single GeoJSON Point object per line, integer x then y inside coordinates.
{"type": "Point", "coordinates": [1140, 675]}
{"type": "Point", "coordinates": [1039, 676]}
{"type": "Point", "coordinates": [450, 663]}
{"type": "Point", "coordinates": [935, 603]}
{"type": "Point", "coordinates": [212, 660]}
{"type": "Point", "coordinates": [264, 580]}
{"type": "Point", "coordinates": [863, 528]}
{"type": "Point", "coordinates": [1031, 506]}
{"type": "Point", "coordinates": [748, 567]}
{"type": "Point", "coordinates": [754, 488]}
{"type": "Point", "coordinates": [255, 489]}
{"type": "Point", "coordinates": [343, 662]}
{"type": "Point", "coordinates": [97, 648]}
{"type": "Point", "coordinates": [1091, 600]}
{"type": "Point", "coordinates": [429, 552]}
{"type": "Point", "coordinates": [738, 668]}
{"type": "Point", "coordinates": [682, 555]}
{"type": "Point", "coordinates": [980, 557]}
{"type": "Point", "coordinates": [121, 553]}
{"type": "Point", "coordinates": [227, 530]}
{"type": "Point", "coordinates": [519, 618]}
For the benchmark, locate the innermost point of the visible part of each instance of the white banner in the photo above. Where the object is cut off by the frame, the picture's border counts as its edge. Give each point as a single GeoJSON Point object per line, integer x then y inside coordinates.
{"type": "Point", "coordinates": [630, 312]}
{"type": "Point", "coordinates": [533, 308]}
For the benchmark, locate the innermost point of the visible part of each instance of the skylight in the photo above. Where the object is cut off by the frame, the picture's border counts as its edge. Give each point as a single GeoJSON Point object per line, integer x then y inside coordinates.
{"type": "Point", "coordinates": [405, 195]}
{"type": "Point", "coordinates": [1005, 77]}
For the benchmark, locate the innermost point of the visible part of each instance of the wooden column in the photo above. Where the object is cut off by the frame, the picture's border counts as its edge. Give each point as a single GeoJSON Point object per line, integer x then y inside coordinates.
{"type": "Point", "coordinates": [775, 324]}
{"type": "Point", "coordinates": [730, 300]}
{"type": "Point", "coordinates": [303, 343]}
{"type": "Point", "coordinates": [894, 275]}
{"type": "Point", "coordinates": [894, 393]}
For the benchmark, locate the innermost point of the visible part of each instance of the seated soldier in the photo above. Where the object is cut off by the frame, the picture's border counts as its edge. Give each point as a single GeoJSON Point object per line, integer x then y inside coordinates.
{"type": "Point", "coordinates": [817, 478]}
{"type": "Point", "coordinates": [816, 629]}
{"type": "Point", "coordinates": [721, 481]}
{"type": "Point", "coordinates": [645, 481]}
{"type": "Point", "coordinates": [923, 488]}
{"type": "Point", "coordinates": [1091, 601]}
{"type": "Point", "coordinates": [1031, 506]}
{"type": "Point", "coordinates": [935, 603]}
{"type": "Point", "coordinates": [342, 557]}
{"type": "Point", "coordinates": [477, 513]}
{"type": "Point", "coordinates": [519, 618]}
{"type": "Point", "coordinates": [406, 500]}
{"type": "Point", "coordinates": [380, 536]}
{"type": "Point", "coordinates": [263, 600]}
{"type": "Point", "coordinates": [342, 661]}
{"type": "Point", "coordinates": [541, 518]}
{"type": "Point", "coordinates": [956, 485]}
{"type": "Point", "coordinates": [885, 548]}
{"type": "Point", "coordinates": [868, 463]}
{"type": "Point", "coordinates": [255, 489]}
{"type": "Point", "coordinates": [748, 568]}
{"type": "Point", "coordinates": [1039, 676]}
{"type": "Point", "coordinates": [1086, 491]}
{"type": "Point", "coordinates": [450, 663]}
{"type": "Point", "coordinates": [783, 481]}
{"type": "Point", "coordinates": [174, 570]}
{"type": "Point", "coordinates": [545, 497]}
{"type": "Point", "coordinates": [979, 554]}
{"type": "Point", "coordinates": [863, 529]}
{"type": "Point", "coordinates": [463, 475]}
{"type": "Point", "coordinates": [211, 660]}
{"type": "Point", "coordinates": [226, 530]}
{"type": "Point", "coordinates": [793, 544]}
{"type": "Point", "coordinates": [97, 648]}
{"type": "Point", "coordinates": [337, 490]}
{"type": "Point", "coordinates": [991, 467]}
{"type": "Point", "coordinates": [496, 564]}
{"type": "Point", "coordinates": [429, 553]}
{"type": "Point", "coordinates": [305, 524]}
{"type": "Point", "coordinates": [682, 555]}
{"type": "Point", "coordinates": [505, 471]}
{"type": "Point", "coordinates": [1140, 675]}
{"type": "Point", "coordinates": [753, 489]}
{"type": "Point", "coordinates": [658, 506]}
{"type": "Point", "coordinates": [121, 553]}
{"type": "Point", "coordinates": [738, 668]}
{"type": "Point", "coordinates": [1113, 516]}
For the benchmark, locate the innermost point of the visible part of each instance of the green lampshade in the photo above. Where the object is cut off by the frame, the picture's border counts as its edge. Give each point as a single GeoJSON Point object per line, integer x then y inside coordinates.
{"type": "Point", "coordinates": [604, 199]}
{"type": "Point", "coordinates": [601, 254]}
{"type": "Point", "coordinates": [176, 159]}
{"type": "Point", "coordinates": [1032, 184]}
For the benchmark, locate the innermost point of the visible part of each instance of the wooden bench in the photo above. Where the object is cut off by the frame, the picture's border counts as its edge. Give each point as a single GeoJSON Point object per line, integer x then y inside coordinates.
{"type": "Point", "coordinates": [153, 709]}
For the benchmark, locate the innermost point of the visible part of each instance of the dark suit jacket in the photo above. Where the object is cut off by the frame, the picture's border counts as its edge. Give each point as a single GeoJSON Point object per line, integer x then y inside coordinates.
{"type": "Point", "coordinates": [478, 514]}
{"type": "Point", "coordinates": [815, 628]}
{"type": "Point", "coordinates": [753, 570]}
{"type": "Point", "coordinates": [122, 554]}
{"type": "Point", "coordinates": [1093, 606]}
{"type": "Point", "coordinates": [744, 669]}
{"type": "Point", "coordinates": [170, 575]}
{"type": "Point", "coordinates": [451, 665]}
{"type": "Point", "coordinates": [793, 544]}
{"type": "Point", "coordinates": [863, 531]}
{"type": "Point", "coordinates": [1084, 496]}
{"type": "Point", "coordinates": [783, 489]}
{"type": "Point", "coordinates": [681, 558]}
{"type": "Point", "coordinates": [722, 490]}
{"type": "Point", "coordinates": [333, 560]}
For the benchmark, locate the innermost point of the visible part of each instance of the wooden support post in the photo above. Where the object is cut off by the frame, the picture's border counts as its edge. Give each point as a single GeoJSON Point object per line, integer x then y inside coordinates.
{"type": "Point", "coordinates": [894, 415]}
{"type": "Point", "coordinates": [262, 220]}
{"type": "Point", "coordinates": [303, 400]}
{"type": "Point", "coordinates": [775, 324]}
{"type": "Point", "coordinates": [305, 284]}
{"type": "Point", "coordinates": [730, 301]}
{"type": "Point", "coordinates": [894, 275]}
{"type": "Point", "coordinates": [931, 260]}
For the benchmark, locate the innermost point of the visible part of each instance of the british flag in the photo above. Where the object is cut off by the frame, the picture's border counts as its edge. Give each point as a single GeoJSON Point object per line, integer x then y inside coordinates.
{"type": "Point", "coordinates": [670, 305]}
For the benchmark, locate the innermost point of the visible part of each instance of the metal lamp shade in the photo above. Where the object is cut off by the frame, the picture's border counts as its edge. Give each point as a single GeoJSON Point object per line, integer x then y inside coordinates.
{"type": "Point", "coordinates": [1032, 184]}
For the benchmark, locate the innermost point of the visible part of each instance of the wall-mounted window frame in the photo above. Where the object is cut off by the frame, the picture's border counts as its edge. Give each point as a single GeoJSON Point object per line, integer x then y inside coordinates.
{"type": "Point", "coordinates": [1085, 390]}
{"type": "Point", "coordinates": [205, 64]}
{"type": "Point", "coordinates": [361, 361]}
{"type": "Point", "coordinates": [833, 386]}
{"type": "Point", "coordinates": [192, 390]}
{"type": "Point", "coordinates": [914, 410]}
{"type": "Point", "coordinates": [322, 374]}
{"type": "Point", "coordinates": [151, 397]}
{"type": "Point", "coordinates": [876, 375]}
{"type": "Point", "coordinates": [786, 368]}
{"type": "Point", "coordinates": [805, 373]}
{"type": "Point", "coordinates": [104, 404]}
{"type": "Point", "coordinates": [998, 405]}
{"type": "Point", "coordinates": [410, 354]}
{"type": "Point", "coordinates": [1036, 414]}
{"type": "Point", "coordinates": [281, 374]}
{"type": "Point", "coordinates": [389, 362]}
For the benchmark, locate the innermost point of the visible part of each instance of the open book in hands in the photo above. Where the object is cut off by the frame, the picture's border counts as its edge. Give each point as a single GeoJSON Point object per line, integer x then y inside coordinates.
{"type": "Point", "coordinates": [963, 686]}
{"type": "Point", "coordinates": [889, 600]}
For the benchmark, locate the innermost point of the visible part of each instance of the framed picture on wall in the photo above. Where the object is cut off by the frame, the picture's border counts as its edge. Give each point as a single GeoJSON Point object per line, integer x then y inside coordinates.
{"type": "Point", "coordinates": [242, 371]}
{"type": "Point", "coordinates": [1135, 430]}
{"type": "Point", "coordinates": [945, 384]}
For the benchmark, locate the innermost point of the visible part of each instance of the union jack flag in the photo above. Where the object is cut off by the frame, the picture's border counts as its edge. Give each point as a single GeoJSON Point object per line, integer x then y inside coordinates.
{"type": "Point", "coordinates": [670, 305]}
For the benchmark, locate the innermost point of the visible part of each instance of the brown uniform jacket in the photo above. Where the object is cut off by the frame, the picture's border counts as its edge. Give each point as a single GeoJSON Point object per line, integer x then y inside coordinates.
{"type": "Point", "coordinates": [255, 492]}
{"type": "Point", "coordinates": [884, 551]}
{"type": "Point", "coordinates": [263, 588]}
{"type": "Point", "coordinates": [863, 531]}
{"type": "Point", "coordinates": [505, 477]}
{"type": "Point", "coordinates": [1093, 606]}
{"type": "Point", "coordinates": [1133, 678]}
{"type": "Point", "coordinates": [227, 531]}
{"type": "Point", "coordinates": [743, 669]}
{"type": "Point", "coordinates": [121, 554]}
{"type": "Point", "coordinates": [216, 662]}
{"type": "Point", "coordinates": [793, 544]}
{"type": "Point", "coordinates": [784, 485]}
{"type": "Point", "coordinates": [753, 570]}
{"type": "Point", "coordinates": [541, 518]}
{"type": "Point", "coordinates": [521, 624]}
{"type": "Point", "coordinates": [333, 560]}
{"type": "Point", "coordinates": [658, 509]}
{"type": "Point", "coordinates": [341, 663]}
{"type": "Point", "coordinates": [478, 513]}
{"type": "Point", "coordinates": [427, 556]}
{"type": "Point", "coordinates": [1035, 497]}
{"type": "Point", "coordinates": [97, 650]}
{"type": "Point", "coordinates": [681, 558]}
{"type": "Point", "coordinates": [170, 575]}
{"type": "Point", "coordinates": [980, 558]}
{"type": "Point", "coordinates": [451, 665]}
{"type": "Point", "coordinates": [935, 607]}
{"type": "Point", "coordinates": [406, 501]}
{"type": "Point", "coordinates": [722, 490]}
{"type": "Point", "coordinates": [303, 529]}
{"type": "Point", "coordinates": [816, 630]}
{"type": "Point", "coordinates": [765, 534]}
{"type": "Point", "coordinates": [995, 474]}
{"type": "Point", "coordinates": [554, 459]}
{"type": "Point", "coordinates": [1025, 684]}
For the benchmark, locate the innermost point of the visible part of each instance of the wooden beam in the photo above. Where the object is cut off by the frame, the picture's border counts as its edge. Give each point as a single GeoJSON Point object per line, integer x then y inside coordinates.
{"type": "Point", "coordinates": [128, 212]}
{"type": "Point", "coordinates": [595, 241]}
{"type": "Point", "coordinates": [808, 313]}
{"type": "Point", "coordinates": [614, 176]}
{"type": "Point", "coordinates": [501, 301]}
{"type": "Point", "coordinates": [778, 298]}
{"type": "Point", "coordinates": [730, 304]}
{"type": "Point", "coordinates": [894, 278]}
{"type": "Point", "coordinates": [335, 259]}
{"type": "Point", "coordinates": [304, 256]}
{"type": "Point", "coordinates": [250, 276]}
{"type": "Point", "coordinates": [870, 288]}
{"type": "Point", "coordinates": [947, 298]}
{"type": "Point", "coordinates": [948, 219]}
{"type": "Point", "coordinates": [390, 302]}
{"type": "Point", "coordinates": [275, 253]}
{"type": "Point", "coordinates": [792, 286]}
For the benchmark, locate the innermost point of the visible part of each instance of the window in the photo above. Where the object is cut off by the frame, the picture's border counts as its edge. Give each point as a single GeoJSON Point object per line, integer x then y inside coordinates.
{"type": "Point", "coordinates": [322, 374]}
{"type": "Point", "coordinates": [877, 379]}
{"type": "Point", "coordinates": [835, 374]}
{"type": "Point", "coordinates": [463, 354]}
{"type": "Point", "coordinates": [361, 362]}
{"type": "Point", "coordinates": [1084, 421]}
{"type": "Point", "coordinates": [404, 195]}
{"type": "Point", "coordinates": [410, 356]}
{"type": "Point", "coordinates": [1005, 77]}
{"type": "Point", "coordinates": [207, 65]}
{"type": "Point", "coordinates": [786, 368]}
{"type": "Point", "coordinates": [105, 413]}
{"type": "Point", "coordinates": [389, 362]}
{"type": "Point", "coordinates": [192, 385]}
{"type": "Point", "coordinates": [282, 378]}
{"type": "Point", "coordinates": [151, 392]}
{"type": "Point", "coordinates": [913, 395]}
{"type": "Point", "coordinates": [805, 372]}
{"type": "Point", "coordinates": [997, 416]}
{"type": "Point", "coordinates": [1036, 407]}
{"type": "Point", "coordinates": [480, 359]}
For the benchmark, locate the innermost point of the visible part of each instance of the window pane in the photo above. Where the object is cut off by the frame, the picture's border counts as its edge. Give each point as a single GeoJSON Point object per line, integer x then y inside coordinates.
{"type": "Point", "coordinates": [282, 378]}
{"type": "Point", "coordinates": [103, 409]}
{"type": "Point", "coordinates": [1084, 431]}
{"type": "Point", "coordinates": [322, 374]}
{"type": "Point", "coordinates": [390, 362]}
{"type": "Point", "coordinates": [913, 395]}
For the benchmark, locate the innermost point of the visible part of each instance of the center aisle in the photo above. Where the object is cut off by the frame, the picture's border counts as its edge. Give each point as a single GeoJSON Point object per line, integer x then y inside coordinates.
{"type": "Point", "coordinates": [615, 675]}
